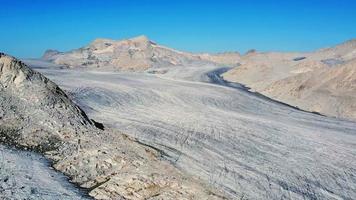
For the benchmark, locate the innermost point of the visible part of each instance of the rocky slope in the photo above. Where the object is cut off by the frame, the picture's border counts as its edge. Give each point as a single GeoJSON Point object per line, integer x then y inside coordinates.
{"type": "Point", "coordinates": [330, 91]}
{"type": "Point", "coordinates": [34, 111]}
{"type": "Point", "coordinates": [36, 114]}
{"type": "Point", "coordinates": [321, 81]}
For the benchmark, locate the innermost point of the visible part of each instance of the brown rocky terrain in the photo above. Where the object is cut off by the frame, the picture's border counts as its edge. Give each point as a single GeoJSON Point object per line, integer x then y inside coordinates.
{"type": "Point", "coordinates": [331, 91]}
{"type": "Point", "coordinates": [321, 81]}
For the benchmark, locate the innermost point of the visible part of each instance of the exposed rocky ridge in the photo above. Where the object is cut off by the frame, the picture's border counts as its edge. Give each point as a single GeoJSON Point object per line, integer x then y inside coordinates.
{"type": "Point", "coordinates": [320, 81]}
{"type": "Point", "coordinates": [35, 113]}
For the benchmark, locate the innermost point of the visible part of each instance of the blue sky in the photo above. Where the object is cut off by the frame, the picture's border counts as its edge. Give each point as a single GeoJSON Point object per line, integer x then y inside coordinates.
{"type": "Point", "coordinates": [29, 27]}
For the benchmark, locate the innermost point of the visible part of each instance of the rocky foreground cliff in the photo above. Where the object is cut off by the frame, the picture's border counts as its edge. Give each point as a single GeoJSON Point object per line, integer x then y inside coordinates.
{"type": "Point", "coordinates": [35, 114]}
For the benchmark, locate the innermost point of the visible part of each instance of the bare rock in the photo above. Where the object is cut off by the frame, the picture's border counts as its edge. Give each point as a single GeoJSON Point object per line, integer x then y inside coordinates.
{"type": "Point", "coordinates": [36, 113]}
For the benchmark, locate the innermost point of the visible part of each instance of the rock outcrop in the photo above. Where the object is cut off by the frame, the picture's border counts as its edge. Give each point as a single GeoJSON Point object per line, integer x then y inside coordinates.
{"type": "Point", "coordinates": [34, 111]}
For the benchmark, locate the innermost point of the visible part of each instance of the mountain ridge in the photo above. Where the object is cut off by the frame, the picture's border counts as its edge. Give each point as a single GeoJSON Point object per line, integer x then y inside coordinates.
{"type": "Point", "coordinates": [134, 54]}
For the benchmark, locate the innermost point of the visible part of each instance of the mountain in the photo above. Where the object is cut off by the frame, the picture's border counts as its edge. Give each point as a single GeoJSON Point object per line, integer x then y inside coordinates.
{"type": "Point", "coordinates": [36, 114]}
{"type": "Point", "coordinates": [320, 81]}
{"type": "Point", "coordinates": [136, 54]}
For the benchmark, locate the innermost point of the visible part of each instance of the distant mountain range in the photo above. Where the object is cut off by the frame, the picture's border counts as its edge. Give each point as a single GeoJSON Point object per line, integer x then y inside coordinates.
{"type": "Point", "coordinates": [136, 54]}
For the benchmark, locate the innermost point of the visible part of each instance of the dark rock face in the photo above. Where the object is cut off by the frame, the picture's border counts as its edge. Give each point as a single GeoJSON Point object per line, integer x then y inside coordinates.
{"type": "Point", "coordinates": [98, 125]}
{"type": "Point", "coordinates": [251, 51]}
{"type": "Point", "coordinates": [34, 111]}
{"type": "Point", "coordinates": [299, 58]}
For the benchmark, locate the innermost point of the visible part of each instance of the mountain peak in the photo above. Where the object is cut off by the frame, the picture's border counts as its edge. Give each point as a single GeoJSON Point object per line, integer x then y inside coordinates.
{"type": "Point", "coordinates": [11, 67]}
{"type": "Point", "coordinates": [140, 38]}
{"type": "Point", "coordinates": [49, 53]}
{"type": "Point", "coordinates": [101, 43]}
